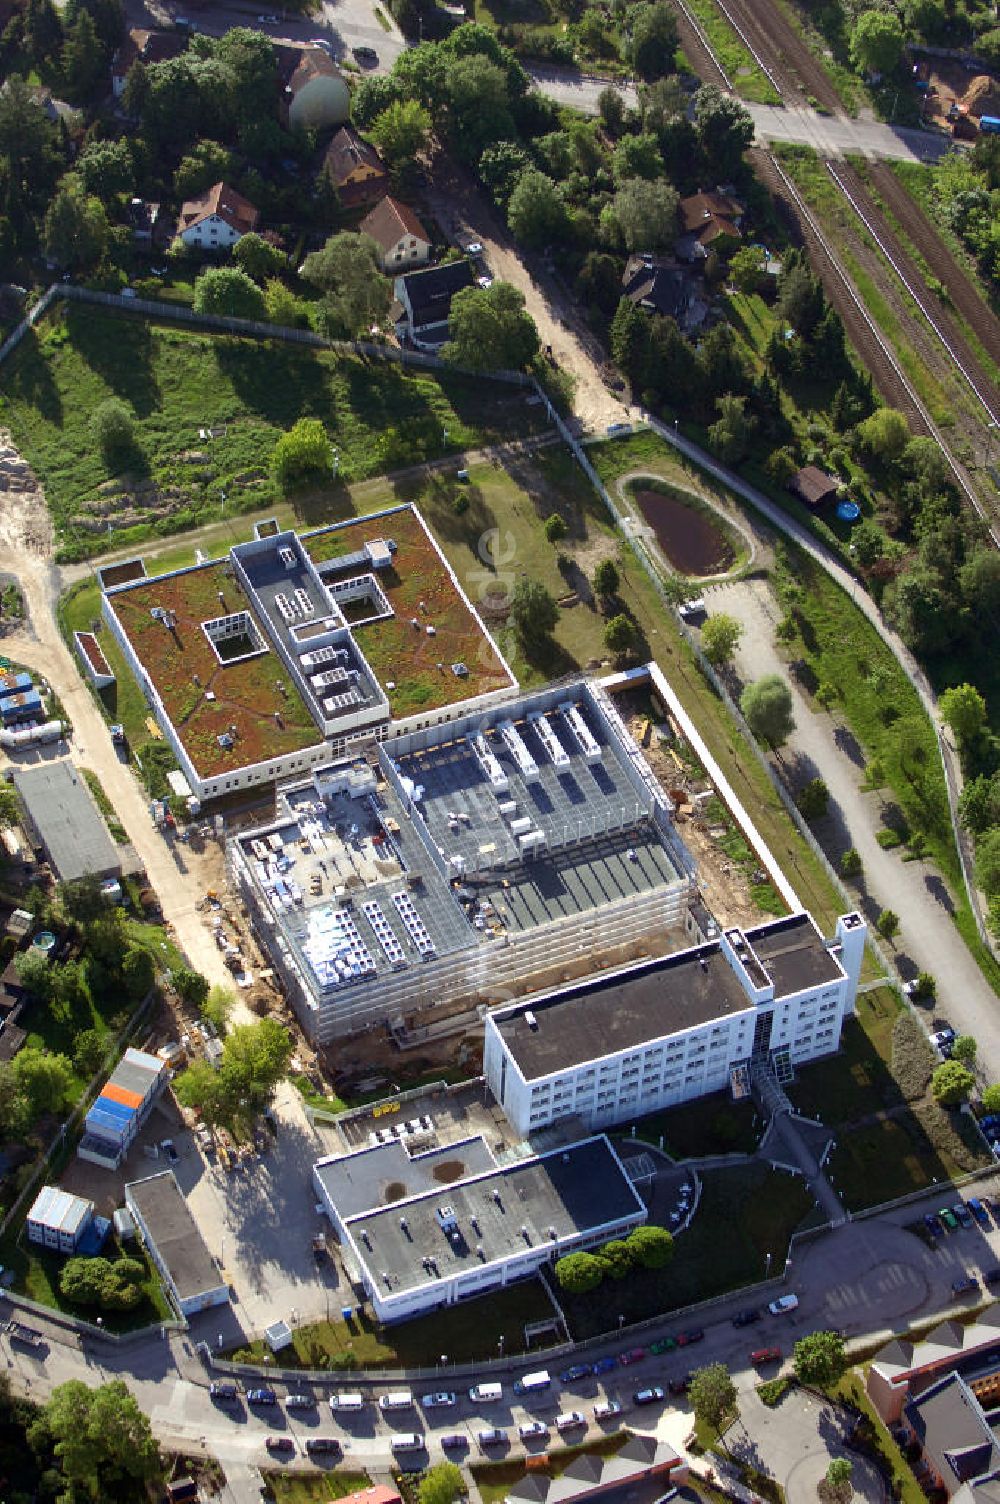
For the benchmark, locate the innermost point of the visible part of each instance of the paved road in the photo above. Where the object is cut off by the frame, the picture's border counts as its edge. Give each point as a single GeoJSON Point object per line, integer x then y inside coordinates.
{"type": "Point", "coordinates": [829, 134]}
{"type": "Point", "coordinates": [866, 1278]}
{"type": "Point", "coordinates": [820, 747]}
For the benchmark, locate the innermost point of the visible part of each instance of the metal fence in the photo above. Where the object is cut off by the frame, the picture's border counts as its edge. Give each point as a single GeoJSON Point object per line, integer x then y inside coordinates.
{"type": "Point", "coordinates": [91, 1329]}
{"type": "Point", "coordinates": [180, 313]}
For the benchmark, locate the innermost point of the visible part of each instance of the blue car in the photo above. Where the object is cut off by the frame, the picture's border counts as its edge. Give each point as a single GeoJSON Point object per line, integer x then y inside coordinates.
{"type": "Point", "coordinates": [962, 1213]}
{"type": "Point", "coordinates": [578, 1371]}
{"type": "Point", "coordinates": [979, 1211]}
{"type": "Point", "coordinates": [261, 1397]}
{"type": "Point", "coordinates": [603, 1365]}
{"type": "Point", "coordinates": [932, 1225]}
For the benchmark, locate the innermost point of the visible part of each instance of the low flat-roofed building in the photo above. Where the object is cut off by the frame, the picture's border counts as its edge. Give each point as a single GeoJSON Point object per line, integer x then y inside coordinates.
{"type": "Point", "coordinates": [122, 1106]}
{"type": "Point", "coordinates": [667, 1030]}
{"type": "Point", "coordinates": [66, 824]}
{"type": "Point", "coordinates": [174, 1243]}
{"type": "Point", "coordinates": [496, 1224]}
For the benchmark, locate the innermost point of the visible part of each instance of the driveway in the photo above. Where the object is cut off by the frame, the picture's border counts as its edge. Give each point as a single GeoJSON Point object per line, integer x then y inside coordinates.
{"type": "Point", "coordinates": [796, 1441]}
{"type": "Point", "coordinates": [821, 747]}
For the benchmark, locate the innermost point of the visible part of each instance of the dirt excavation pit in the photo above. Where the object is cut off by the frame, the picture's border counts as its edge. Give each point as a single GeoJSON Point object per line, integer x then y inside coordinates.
{"type": "Point", "coordinates": [687, 536]}
{"type": "Point", "coordinates": [449, 1170]}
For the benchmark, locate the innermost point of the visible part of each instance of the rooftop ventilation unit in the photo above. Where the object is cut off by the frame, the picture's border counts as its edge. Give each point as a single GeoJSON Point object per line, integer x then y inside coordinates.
{"type": "Point", "coordinates": [446, 1219]}
{"type": "Point", "coordinates": [287, 557]}
{"type": "Point", "coordinates": [531, 1021]}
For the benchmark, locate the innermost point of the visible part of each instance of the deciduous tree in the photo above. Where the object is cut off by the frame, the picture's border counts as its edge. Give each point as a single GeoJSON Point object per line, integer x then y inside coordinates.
{"type": "Point", "coordinates": [76, 228]}
{"type": "Point", "coordinates": [964, 710]}
{"type": "Point", "coordinates": [963, 1049]}
{"type": "Point", "coordinates": [652, 45]}
{"type": "Point", "coordinates": [713, 1397]}
{"type": "Point", "coordinates": [401, 131]}
{"type": "Point", "coordinates": [100, 1437]}
{"type": "Point", "coordinates": [952, 1083]}
{"type": "Point", "coordinates": [257, 257]}
{"type": "Point", "coordinates": [536, 210]}
{"type": "Point", "coordinates": [230, 292]}
{"type": "Point", "coordinates": [725, 130]}
{"type": "Point", "coordinates": [348, 271]}
{"type": "Point", "coordinates": [302, 456]}
{"type": "Point", "coordinates": [877, 41]}
{"type": "Point", "coordinates": [819, 1359]}
{"type": "Point", "coordinates": [887, 924]}
{"type": "Point", "coordinates": [490, 329]}
{"type": "Point", "coordinates": [441, 1484]}
{"type": "Point", "coordinates": [606, 580]}
{"type": "Point", "coordinates": [619, 635]}
{"type": "Point", "coordinates": [720, 638]}
{"type": "Point", "coordinates": [191, 987]}
{"type": "Point", "coordinates": [642, 215]}
{"type": "Point", "coordinates": [578, 1273]}
{"type": "Point", "coordinates": [533, 614]}
{"type": "Point", "coordinates": [652, 1246]}
{"type": "Point", "coordinates": [767, 706]}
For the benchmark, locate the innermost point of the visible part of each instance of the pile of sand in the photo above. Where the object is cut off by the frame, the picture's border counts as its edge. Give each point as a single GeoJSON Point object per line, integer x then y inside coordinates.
{"type": "Point", "coordinates": [983, 96]}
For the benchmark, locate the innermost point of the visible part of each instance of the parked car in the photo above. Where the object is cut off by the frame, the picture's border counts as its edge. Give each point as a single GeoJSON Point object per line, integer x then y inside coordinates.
{"type": "Point", "coordinates": [607, 1409]}
{"type": "Point", "coordinates": [932, 1225]}
{"type": "Point", "coordinates": [747, 1317]}
{"type": "Point", "coordinates": [261, 1397]}
{"type": "Point", "coordinates": [366, 56]}
{"type": "Point", "coordinates": [280, 1444]}
{"type": "Point", "coordinates": [472, 247]}
{"type": "Point", "coordinates": [651, 1395]}
{"type": "Point", "coordinates": [685, 1339]}
{"type": "Point", "coordinates": [762, 1355]}
{"type": "Point", "coordinates": [948, 1218]}
{"type": "Point", "coordinates": [454, 1441]}
{"type": "Point", "coordinates": [633, 1355]}
{"type": "Point", "coordinates": [532, 1430]}
{"type": "Point", "coordinates": [966, 1284]}
{"type": "Point", "coordinates": [603, 1365]}
{"type": "Point", "coordinates": [783, 1305]}
{"type": "Point", "coordinates": [962, 1213]}
{"type": "Point", "coordinates": [979, 1211]}
{"type": "Point", "coordinates": [300, 1402]}
{"type": "Point", "coordinates": [663, 1345]}
{"type": "Point", "coordinates": [992, 1276]}
{"type": "Point", "coordinates": [317, 1445]}
{"type": "Point", "coordinates": [223, 1393]}
{"type": "Point", "coordinates": [439, 1401]}
{"type": "Point", "coordinates": [680, 1385]}
{"type": "Point", "coordinates": [942, 1039]}
{"type": "Point", "coordinates": [491, 1436]}
{"type": "Point", "coordinates": [577, 1371]}
{"type": "Point", "coordinates": [570, 1420]}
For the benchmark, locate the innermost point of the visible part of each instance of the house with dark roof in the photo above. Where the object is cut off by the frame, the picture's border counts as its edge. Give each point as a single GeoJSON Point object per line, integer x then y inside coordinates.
{"type": "Point", "coordinates": [813, 486]}
{"type": "Point", "coordinates": [142, 46]}
{"type": "Point", "coordinates": [314, 92]}
{"type": "Point", "coordinates": [956, 1438]}
{"type": "Point", "coordinates": [425, 302]}
{"type": "Point", "coordinates": [217, 219]}
{"type": "Point", "coordinates": [355, 169]}
{"type": "Point", "coordinates": [401, 238]}
{"type": "Point", "coordinates": [664, 287]}
{"type": "Point", "coordinates": [902, 1368]}
{"type": "Point", "coordinates": [706, 218]}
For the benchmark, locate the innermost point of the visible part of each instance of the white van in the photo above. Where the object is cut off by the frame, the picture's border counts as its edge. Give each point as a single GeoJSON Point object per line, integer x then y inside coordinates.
{"type": "Point", "coordinates": [407, 1441]}
{"type": "Point", "coordinates": [347, 1401]}
{"type": "Point", "coordinates": [396, 1399]}
{"type": "Point", "coordinates": [486, 1394]}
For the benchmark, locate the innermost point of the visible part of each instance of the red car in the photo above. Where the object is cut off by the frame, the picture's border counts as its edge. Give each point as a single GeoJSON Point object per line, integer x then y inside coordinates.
{"type": "Point", "coordinates": [685, 1339]}
{"type": "Point", "coordinates": [634, 1355]}
{"type": "Point", "coordinates": [762, 1355]}
{"type": "Point", "coordinates": [280, 1444]}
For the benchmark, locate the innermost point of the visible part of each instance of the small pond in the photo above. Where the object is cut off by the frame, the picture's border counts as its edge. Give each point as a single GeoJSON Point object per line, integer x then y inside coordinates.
{"type": "Point", "coordinates": [690, 540]}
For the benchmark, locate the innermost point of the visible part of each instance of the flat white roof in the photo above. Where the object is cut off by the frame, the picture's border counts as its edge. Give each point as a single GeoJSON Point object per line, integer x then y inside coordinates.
{"type": "Point", "coordinates": [59, 1210]}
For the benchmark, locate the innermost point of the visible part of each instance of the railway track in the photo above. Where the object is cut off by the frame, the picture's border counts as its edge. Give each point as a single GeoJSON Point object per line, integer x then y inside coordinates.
{"type": "Point", "coordinates": [945, 266]}
{"type": "Point", "coordinates": [698, 49]}
{"type": "Point", "coordinates": [782, 54]}
{"type": "Point", "coordinates": [879, 357]}
{"type": "Point", "coordinates": [888, 376]}
{"type": "Point", "coordinates": [953, 343]}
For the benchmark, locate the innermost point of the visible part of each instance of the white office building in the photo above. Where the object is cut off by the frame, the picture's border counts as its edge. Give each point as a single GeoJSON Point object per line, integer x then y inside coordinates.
{"type": "Point", "coordinates": [754, 1003]}
{"type": "Point", "coordinates": [413, 1240]}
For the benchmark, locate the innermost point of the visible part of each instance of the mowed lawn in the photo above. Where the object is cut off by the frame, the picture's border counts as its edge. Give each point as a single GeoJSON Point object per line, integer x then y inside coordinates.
{"type": "Point", "coordinates": [378, 416]}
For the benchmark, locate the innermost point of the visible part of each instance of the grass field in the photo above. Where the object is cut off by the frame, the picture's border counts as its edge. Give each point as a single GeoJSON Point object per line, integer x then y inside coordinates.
{"type": "Point", "coordinates": [710, 1125]}
{"type": "Point", "coordinates": [36, 1274]}
{"type": "Point", "coordinates": [461, 1333]}
{"type": "Point", "coordinates": [744, 1215]}
{"type": "Point", "coordinates": [377, 415]}
{"type": "Point", "coordinates": [892, 1137]}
